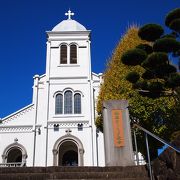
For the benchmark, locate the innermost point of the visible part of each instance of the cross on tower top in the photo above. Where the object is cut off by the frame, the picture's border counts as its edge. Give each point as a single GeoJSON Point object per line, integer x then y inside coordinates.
{"type": "Point", "coordinates": [69, 14]}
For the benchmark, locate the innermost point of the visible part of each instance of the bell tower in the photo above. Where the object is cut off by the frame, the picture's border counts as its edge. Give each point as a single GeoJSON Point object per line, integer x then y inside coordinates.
{"type": "Point", "coordinates": [68, 50]}
{"type": "Point", "coordinates": [70, 86]}
{"type": "Point", "coordinates": [58, 128]}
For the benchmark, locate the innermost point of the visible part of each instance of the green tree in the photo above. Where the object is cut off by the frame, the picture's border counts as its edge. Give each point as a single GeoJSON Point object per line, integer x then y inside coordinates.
{"type": "Point", "coordinates": [160, 77]}
{"type": "Point", "coordinates": [155, 114]}
{"type": "Point", "coordinates": [158, 85]}
{"type": "Point", "coordinates": [115, 85]}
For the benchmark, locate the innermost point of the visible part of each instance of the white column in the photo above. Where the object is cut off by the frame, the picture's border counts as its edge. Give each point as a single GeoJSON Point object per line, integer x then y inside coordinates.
{"type": "Point", "coordinates": [35, 101]}
{"type": "Point", "coordinates": [48, 65]}
{"type": "Point", "coordinates": [35, 87]}
{"type": "Point", "coordinates": [89, 59]}
{"type": "Point", "coordinates": [48, 72]}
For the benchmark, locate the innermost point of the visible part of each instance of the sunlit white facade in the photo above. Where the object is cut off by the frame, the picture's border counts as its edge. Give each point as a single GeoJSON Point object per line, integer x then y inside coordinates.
{"type": "Point", "coordinates": [58, 128]}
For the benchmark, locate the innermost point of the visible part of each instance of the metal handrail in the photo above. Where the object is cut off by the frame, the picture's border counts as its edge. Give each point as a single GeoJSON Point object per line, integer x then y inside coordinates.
{"type": "Point", "coordinates": [158, 138]}
{"type": "Point", "coordinates": [147, 146]}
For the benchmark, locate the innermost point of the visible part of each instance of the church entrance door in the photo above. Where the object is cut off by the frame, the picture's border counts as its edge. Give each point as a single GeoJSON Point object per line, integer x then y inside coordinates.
{"type": "Point", "coordinates": [14, 156]}
{"type": "Point", "coordinates": [70, 158]}
{"type": "Point", "coordinates": [68, 154]}
{"type": "Point", "coordinates": [68, 151]}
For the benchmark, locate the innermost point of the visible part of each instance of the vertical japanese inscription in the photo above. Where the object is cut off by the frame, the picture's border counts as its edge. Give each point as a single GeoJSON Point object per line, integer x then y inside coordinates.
{"type": "Point", "coordinates": [117, 122]}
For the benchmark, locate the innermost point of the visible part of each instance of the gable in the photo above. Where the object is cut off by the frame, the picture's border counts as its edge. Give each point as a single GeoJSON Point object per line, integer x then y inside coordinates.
{"type": "Point", "coordinates": [24, 116]}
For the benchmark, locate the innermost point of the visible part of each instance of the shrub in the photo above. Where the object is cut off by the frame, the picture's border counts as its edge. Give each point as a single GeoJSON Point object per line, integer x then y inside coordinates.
{"type": "Point", "coordinates": [147, 48]}
{"type": "Point", "coordinates": [175, 25]}
{"type": "Point", "coordinates": [132, 77]}
{"type": "Point", "coordinates": [173, 81]}
{"type": "Point", "coordinates": [155, 60]}
{"type": "Point", "coordinates": [155, 86]}
{"type": "Point", "coordinates": [150, 32]}
{"type": "Point", "coordinates": [133, 57]}
{"type": "Point", "coordinates": [172, 15]}
{"type": "Point", "coordinates": [166, 45]}
{"type": "Point", "coordinates": [147, 75]}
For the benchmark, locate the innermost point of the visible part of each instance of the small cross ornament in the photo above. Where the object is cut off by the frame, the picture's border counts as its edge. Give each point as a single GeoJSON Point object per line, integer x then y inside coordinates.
{"type": "Point", "coordinates": [69, 14]}
{"type": "Point", "coordinates": [16, 140]}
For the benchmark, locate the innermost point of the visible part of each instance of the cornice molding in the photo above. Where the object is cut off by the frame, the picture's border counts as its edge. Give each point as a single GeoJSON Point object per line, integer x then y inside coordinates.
{"type": "Point", "coordinates": [68, 33]}
{"type": "Point", "coordinates": [66, 124]}
{"type": "Point", "coordinates": [73, 77]}
{"type": "Point", "coordinates": [16, 128]}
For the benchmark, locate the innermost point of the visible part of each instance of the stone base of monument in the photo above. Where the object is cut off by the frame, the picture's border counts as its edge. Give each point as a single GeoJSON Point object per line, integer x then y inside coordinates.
{"type": "Point", "coordinates": [74, 173]}
{"type": "Point", "coordinates": [117, 133]}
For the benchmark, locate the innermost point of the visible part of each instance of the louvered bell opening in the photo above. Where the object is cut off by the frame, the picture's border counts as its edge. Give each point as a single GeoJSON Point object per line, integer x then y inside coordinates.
{"type": "Point", "coordinates": [73, 54]}
{"type": "Point", "coordinates": [63, 54]}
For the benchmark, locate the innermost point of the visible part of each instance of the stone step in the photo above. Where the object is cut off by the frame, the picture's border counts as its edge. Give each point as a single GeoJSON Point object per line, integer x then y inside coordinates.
{"type": "Point", "coordinates": [45, 178]}
{"type": "Point", "coordinates": [95, 175]}
{"type": "Point", "coordinates": [74, 173]}
{"type": "Point", "coordinates": [137, 169]}
{"type": "Point", "coordinates": [71, 175]}
{"type": "Point", "coordinates": [144, 178]}
{"type": "Point", "coordinates": [24, 176]}
{"type": "Point", "coordinates": [97, 169]}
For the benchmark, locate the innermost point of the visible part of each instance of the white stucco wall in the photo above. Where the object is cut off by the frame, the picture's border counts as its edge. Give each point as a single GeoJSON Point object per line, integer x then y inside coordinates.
{"type": "Point", "coordinates": [40, 117]}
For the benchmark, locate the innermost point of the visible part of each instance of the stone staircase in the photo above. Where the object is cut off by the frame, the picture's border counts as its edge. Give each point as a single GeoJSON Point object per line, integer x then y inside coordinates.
{"type": "Point", "coordinates": [74, 173]}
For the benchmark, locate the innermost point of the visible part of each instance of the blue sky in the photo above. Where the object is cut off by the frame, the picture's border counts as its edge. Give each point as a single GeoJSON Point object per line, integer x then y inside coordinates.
{"type": "Point", "coordinates": [23, 37]}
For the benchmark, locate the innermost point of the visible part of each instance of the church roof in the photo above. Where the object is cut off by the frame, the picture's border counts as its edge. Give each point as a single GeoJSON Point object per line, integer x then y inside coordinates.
{"type": "Point", "coordinates": [69, 24]}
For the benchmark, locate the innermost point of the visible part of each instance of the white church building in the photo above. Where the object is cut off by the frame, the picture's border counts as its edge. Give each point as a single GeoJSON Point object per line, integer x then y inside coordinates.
{"type": "Point", "coordinates": [58, 128]}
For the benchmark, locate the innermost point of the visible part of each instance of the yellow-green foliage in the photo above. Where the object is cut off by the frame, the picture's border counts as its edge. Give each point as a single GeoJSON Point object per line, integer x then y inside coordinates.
{"type": "Point", "coordinates": [115, 86]}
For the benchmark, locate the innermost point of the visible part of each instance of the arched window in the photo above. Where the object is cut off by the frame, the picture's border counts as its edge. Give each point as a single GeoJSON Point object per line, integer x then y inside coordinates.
{"type": "Point", "coordinates": [77, 103]}
{"type": "Point", "coordinates": [68, 102]}
{"type": "Point", "coordinates": [15, 153]}
{"type": "Point", "coordinates": [59, 104]}
{"type": "Point", "coordinates": [73, 54]}
{"type": "Point", "coordinates": [63, 56]}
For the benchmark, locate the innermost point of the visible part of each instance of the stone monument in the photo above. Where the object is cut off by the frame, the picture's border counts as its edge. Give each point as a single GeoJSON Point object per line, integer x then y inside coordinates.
{"type": "Point", "coordinates": [117, 133]}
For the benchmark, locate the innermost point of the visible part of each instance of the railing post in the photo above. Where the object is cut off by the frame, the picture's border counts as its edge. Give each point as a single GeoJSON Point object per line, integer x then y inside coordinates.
{"type": "Point", "coordinates": [136, 149]}
{"type": "Point", "coordinates": [149, 160]}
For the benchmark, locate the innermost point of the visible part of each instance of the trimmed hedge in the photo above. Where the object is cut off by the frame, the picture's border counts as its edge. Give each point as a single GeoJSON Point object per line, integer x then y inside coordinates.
{"type": "Point", "coordinates": [150, 32]}
{"type": "Point", "coordinates": [133, 57]}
